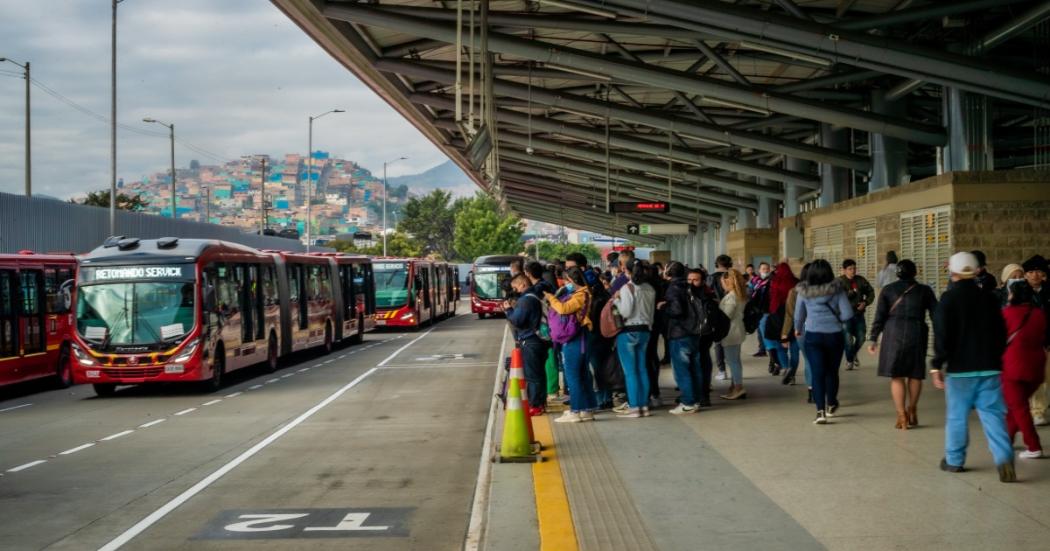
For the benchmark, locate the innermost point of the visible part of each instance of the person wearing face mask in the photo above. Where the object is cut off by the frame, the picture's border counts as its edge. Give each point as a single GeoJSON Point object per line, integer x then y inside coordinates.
{"type": "Point", "coordinates": [1035, 270]}
{"type": "Point", "coordinates": [573, 300]}
{"type": "Point", "coordinates": [861, 295]}
{"type": "Point", "coordinates": [1011, 274]}
{"type": "Point", "coordinates": [758, 292]}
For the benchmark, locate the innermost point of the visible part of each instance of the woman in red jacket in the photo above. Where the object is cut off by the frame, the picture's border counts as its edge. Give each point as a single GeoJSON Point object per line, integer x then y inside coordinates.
{"type": "Point", "coordinates": [1023, 363]}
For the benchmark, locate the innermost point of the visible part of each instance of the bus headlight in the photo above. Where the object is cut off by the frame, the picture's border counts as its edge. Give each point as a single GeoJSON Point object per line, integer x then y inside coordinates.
{"type": "Point", "coordinates": [186, 353]}
{"type": "Point", "coordinates": [82, 357]}
{"type": "Point", "coordinates": [407, 316]}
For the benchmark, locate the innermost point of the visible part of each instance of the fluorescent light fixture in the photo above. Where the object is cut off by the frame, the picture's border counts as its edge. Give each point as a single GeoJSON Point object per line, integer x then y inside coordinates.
{"type": "Point", "coordinates": [574, 70]}
{"type": "Point", "coordinates": [705, 140]}
{"type": "Point", "coordinates": [736, 105]}
{"type": "Point", "coordinates": [579, 7]}
{"type": "Point", "coordinates": [786, 53]}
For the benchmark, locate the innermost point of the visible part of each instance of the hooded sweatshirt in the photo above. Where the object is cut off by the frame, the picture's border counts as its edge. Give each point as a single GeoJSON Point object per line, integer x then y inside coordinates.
{"type": "Point", "coordinates": [821, 308]}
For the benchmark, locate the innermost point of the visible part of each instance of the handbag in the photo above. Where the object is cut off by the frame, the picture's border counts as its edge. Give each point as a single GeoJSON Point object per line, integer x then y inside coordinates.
{"type": "Point", "coordinates": [611, 322]}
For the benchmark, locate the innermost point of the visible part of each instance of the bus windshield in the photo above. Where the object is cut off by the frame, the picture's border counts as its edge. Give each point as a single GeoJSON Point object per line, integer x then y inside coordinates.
{"type": "Point", "coordinates": [391, 284]}
{"type": "Point", "coordinates": [490, 282]}
{"type": "Point", "coordinates": [139, 313]}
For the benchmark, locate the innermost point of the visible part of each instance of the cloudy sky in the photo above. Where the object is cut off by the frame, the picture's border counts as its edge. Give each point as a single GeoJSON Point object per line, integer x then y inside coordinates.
{"type": "Point", "coordinates": [235, 76]}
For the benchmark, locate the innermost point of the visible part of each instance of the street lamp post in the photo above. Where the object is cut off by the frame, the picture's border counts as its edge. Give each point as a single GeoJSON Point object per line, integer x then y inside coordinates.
{"type": "Point", "coordinates": [113, 126]}
{"type": "Point", "coordinates": [310, 173]}
{"type": "Point", "coordinates": [171, 129]}
{"type": "Point", "coordinates": [29, 166]}
{"type": "Point", "coordinates": [384, 198]}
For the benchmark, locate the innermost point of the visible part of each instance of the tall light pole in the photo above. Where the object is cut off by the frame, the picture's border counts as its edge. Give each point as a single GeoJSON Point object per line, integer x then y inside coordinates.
{"type": "Point", "coordinates": [171, 129]}
{"type": "Point", "coordinates": [310, 173]}
{"type": "Point", "coordinates": [29, 165]}
{"type": "Point", "coordinates": [113, 126]}
{"type": "Point", "coordinates": [384, 198]}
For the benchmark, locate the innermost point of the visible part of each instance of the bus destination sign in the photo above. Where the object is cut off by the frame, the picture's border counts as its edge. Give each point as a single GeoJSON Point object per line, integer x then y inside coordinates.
{"type": "Point", "coordinates": [660, 207]}
{"type": "Point", "coordinates": [137, 272]}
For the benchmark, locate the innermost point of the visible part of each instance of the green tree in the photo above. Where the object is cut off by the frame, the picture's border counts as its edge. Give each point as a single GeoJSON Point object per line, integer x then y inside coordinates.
{"type": "Point", "coordinates": [397, 244]}
{"type": "Point", "coordinates": [482, 229]}
{"type": "Point", "coordinates": [124, 202]}
{"type": "Point", "coordinates": [549, 250]}
{"type": "Point", "coordinates": [431, 220]}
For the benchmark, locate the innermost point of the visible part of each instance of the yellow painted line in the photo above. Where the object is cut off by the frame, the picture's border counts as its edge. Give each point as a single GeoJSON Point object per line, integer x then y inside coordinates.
{"type": "Point", "coordinates": [557, 532]}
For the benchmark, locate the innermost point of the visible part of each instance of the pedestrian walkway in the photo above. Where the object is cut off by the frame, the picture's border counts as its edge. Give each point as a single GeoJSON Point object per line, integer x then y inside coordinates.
{"type": "Point", "coordinates": [758, 474]}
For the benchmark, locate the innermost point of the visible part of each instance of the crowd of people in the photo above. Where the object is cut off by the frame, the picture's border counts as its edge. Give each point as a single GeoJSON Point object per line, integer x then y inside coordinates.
{"type": "Point", "coordinates": [596, 339]}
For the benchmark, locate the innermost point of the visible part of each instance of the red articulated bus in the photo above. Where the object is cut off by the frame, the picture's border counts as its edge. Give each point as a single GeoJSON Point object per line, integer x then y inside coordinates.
{"type": "Point", "coordinates": [356, 287]}
{"type": "Point", "coordinates": [171, 310]}
{"type": "Point", "coordinates": [409, 291]}
{"type": "Point", "coordinates": [489, 283]}
{"type": "Point", "coordinates": [35, 319]}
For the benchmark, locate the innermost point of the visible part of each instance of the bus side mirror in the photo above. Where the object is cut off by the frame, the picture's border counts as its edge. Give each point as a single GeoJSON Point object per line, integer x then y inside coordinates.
{"type": "Point", "coordinates": [66, 292]}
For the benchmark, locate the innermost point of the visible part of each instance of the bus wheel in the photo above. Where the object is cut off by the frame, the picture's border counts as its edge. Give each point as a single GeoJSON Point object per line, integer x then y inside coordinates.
{"type": "Point", "coordinates": [328, 338]}
{"type": "Point", "coordinates": [481, 315]}
{"type": "Point", "coordinates": [271, 354]}
{"type": "Point", "coordinates": [104, 390]}
{"type": "Point", "coordinates": [218, 369]}
{"type": "Point", "coordinates": [63, 370]}
{"type": "Point", "coordinates": [360, 335]}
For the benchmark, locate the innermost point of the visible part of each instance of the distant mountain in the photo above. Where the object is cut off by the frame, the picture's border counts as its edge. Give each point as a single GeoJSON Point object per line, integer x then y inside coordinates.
{"type": "Point", "coordinates": [446, 176]}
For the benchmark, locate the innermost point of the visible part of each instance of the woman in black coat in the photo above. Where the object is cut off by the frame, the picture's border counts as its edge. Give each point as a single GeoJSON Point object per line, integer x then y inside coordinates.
{"type": "Point", "coordinates": [900, 317]}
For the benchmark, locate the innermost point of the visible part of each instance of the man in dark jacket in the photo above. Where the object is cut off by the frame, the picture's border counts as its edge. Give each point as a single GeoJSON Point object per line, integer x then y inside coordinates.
{"type": "Point", "coordinates": [700, 291]}
{"type": "Point", "coordinates": [684, 340]}
{"type": "Point", "coordinates": [969, 340]}
{"type": "Point", "coordinates": [525, 316]}
{"type": "Point", "coordinates": [861, 295]}
{"type": "Point", "coordinates": [1035, 270]}
{"type": "Point", "coordinates": [985, 280]}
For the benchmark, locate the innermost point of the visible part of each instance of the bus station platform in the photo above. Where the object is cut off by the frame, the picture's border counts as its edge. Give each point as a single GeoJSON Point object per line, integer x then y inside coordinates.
{"type": "Point", "coordinates": [758, 474]}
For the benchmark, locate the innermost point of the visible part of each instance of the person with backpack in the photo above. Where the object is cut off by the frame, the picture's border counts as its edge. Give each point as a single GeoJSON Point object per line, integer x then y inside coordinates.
{"type": "Point", "coordinates": [900, 318]}
{"type": "Point", "coordinates": [684, 316]}
{"type": "Point", "coordinates": [569, 325]}
{"type": "Point", "coordinates": [652, 351]}
{"type": "Point", "coordinates": [733, 304]}
{"type": "Point", "coordinates": [1023, 365]}
{"type": "Point", "coordinates": [714, 281]}
{"type": "Point", "coordinates": [788, 338]}
{"type": "Point", "coordinates": [780, 286]}
{"type": "Point", "coordinates": [713, 329]}
{"type": "Point", "coordinates": [635, 304]}
{"type": "Point", "coordinates": [758, 295]}
{"type": "Point", "coordinates": [821, 309]}
{"type": "Point", "coordinates": [861, 295]}
{"type": "Point", "coordinates": [599, 348]}
{"type": "Point", "coordinates": [525, 316]}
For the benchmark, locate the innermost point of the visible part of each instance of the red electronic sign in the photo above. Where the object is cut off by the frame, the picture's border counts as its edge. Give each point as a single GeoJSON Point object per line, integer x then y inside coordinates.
{"type": "Point", "coordinates": [651, 206]}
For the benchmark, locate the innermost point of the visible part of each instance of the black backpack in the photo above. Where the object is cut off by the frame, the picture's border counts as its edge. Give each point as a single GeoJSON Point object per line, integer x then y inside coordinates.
{"type": "Point", "coordinates": [599, 296]}
{"type": "Point", "coordinates": [716, 324]}
{"type": "Point", "coordinates": [752, 316]}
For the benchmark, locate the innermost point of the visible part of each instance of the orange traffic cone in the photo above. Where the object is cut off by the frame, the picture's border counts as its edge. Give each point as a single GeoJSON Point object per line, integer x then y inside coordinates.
{"type": "Point", "coordinates": [516, 447]}
{"type": "Point", "coordinates": [517, 371]}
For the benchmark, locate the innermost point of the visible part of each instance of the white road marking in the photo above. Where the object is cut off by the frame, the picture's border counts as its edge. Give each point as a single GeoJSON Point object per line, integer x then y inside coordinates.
{"type": "Point", "coordinates": [399, 350]}
{"type": "Point", "coordinates": [212, 403]}
{"type": "Point", "coordinates": [151, 423]}
{"type": "Point", "coordinates": [253, 387]}
{"type": "Point", "coordinates": [185, 411]}
{"type": "Point", "coordinates": [27, 465]}
{"type": "Point", "coordinates": [274, 380]}
{"type": "Point", "coordinates": [286, 375]}
{"type": "Point", "coordinates": [317, 365]}
{"type": "Point", "coordinates": [234, 395]}
{"type": "Point", "coordinates": [342, 356]}
{"type": "Point", "coordinates": [119, 435]}
{"type": "Point", "coordinates": [305, 369]}
{"type": "Point", "coordinates": [328, 361]}
{"type": "Point", "coordinates": [76, 449]}
{"type": "Point", "coordinates": [170, 506]}
{"type": "Point", "coordinates": [15, 407]}
{"type": "Point", "coordinates": [481, 490]}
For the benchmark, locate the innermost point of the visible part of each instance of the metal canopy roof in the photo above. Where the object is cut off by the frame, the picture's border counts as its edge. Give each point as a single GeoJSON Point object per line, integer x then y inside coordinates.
{"type": "Point", "coordinates": [696, 102]}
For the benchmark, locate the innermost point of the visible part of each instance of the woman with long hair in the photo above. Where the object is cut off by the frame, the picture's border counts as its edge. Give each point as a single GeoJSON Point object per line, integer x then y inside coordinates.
{"type": "Point", "coordinates": [636, 303]}
{"type": "Point", "coordinates": [574, 299]}
{"type": "Point", "coordinates": [1023, 362]}
{"type": "Point", "coordinates": [783, 282]}
{"type": "Point", "coordinates": [820, 311]}
{"type": "Point", "coordinates": [733, 304]}
{"type": "Point", "coordinates": [787, 335]}
{"type": "Point", "coordinates": [900, 318]}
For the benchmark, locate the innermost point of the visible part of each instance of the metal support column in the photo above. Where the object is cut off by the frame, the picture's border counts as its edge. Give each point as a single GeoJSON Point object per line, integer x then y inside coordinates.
{"type": "Point", "coordinates": [835, 182]}
{"type": "Point", "coordinates": [723, 235]}
{"type": "Point", "coordinates": [767, 209]}
{"type": "Point", "coordinates": [889, 155]}
{"type": "Point", "coordinates": [969, 133]}
{"type": "Point", "coordinates": [745, 219]}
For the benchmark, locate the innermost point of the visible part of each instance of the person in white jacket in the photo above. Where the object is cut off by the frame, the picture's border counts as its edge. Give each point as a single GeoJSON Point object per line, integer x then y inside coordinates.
{"type": "Point", "coordinates": [733, 304]}
{"type": "Point", "coordinates": [636, 303]}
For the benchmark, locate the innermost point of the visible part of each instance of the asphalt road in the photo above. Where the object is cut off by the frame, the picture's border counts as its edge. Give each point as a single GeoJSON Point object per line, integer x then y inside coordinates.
{"type": "Point", "coordinates": [374, 446]}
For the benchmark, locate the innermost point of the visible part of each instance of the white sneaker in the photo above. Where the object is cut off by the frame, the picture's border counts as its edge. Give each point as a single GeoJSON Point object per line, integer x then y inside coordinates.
{"type": "Point", "coordinates": [1037, 454]}
{"type": "Point", "coordinates": [621, 408]}
{"type": "Point", "coordinates": [682, 409]}
{"type": "Point", "coordinates": [630, 413]}
{"type": "Point", "coordinates": [1039, 420]}
{"type": "Point", "coordinates": [646, 412]}
{"type": "Point", "coordinates": [721, 376]}
{"type": "Point", "coordinates": [655, 402]}
{"type": "Point", "coordinates": [569, 417]}
{"type": "Point", "coordinates": [586, 416]}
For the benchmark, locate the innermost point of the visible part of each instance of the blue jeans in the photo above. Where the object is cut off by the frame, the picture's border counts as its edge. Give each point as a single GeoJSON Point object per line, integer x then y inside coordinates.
{"type": "Point", "coordinates": [534, 354]}
{"type": "Point", "coordinates": [578, 375]}
{"type": "Point", "coordinates": [786, 357]}
{"type": "Point", "coordinates": [985, 394]}
{"type": "Point", "coordinates": [761, 333]}
{"type": "Point", "coordinates": [736, 367]}
{"type": "Point", "coordinates": [631, 346]}
{"type": "Point", "coordinates": [685, 362]}
{"type": "Point", "coordinates": [854, 330]}
{"type": "Point", "coordinates": [808, 371]}
{"type": "Point", "coordinates": [824, 355]}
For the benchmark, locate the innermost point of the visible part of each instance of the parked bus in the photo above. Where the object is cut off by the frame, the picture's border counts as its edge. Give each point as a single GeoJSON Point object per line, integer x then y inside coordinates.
{"type": "Point", "coordinates": [166, 310]}
{"type": "Point", "coordinates": [448, 288]}
{"type": "Point", "coordinates": [35, 319]}
{"type": "Point", "coordinates": [406, 292]}
{"type": "Point", "coordinates": [489, 284]}
{"type": "Point", "coordinates": [356, 287]}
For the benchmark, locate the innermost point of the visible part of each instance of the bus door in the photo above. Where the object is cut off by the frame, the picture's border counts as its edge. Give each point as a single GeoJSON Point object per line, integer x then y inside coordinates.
{"type": "Point", "coordinates": [297, 305]}
{"type": "Point", "coordinates": [229, 304]}
{"type": "Point", "coordinates": [426, 308]}
{"type": "Point", "coordinates": [58, 318]}
{"type": "Point", "coordinates": [32, 320]}
{"type": "Point", "coordinates": [9, 326]}
{"type": "Point", "coordinates": [348, 289]}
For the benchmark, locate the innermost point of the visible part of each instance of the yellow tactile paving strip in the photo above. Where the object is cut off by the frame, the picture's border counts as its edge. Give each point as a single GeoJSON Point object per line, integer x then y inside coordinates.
{"type": "Point", "coordinates": [557, 532]}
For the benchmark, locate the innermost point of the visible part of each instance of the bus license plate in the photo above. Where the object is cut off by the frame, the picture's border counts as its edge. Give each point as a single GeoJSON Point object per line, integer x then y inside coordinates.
{"type": "Point", "coordinates": [380, 322]}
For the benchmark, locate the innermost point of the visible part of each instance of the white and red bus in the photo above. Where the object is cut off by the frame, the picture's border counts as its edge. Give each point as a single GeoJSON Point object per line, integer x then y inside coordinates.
{"type": "Point", "coordinates": [489, 284]}
{"type": "Point", "coordinates": [407, 292]}
{"type": "Point", "coordinates": [356, 287]}
{"type": "Point", "coordinates": [35, 319]}
{"type": "Point", "coordinates": [167, 310]}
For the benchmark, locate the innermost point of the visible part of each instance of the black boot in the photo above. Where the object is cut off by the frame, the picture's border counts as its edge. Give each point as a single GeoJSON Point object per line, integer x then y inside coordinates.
{"type": "Point", "coordinates": [809, 396]}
